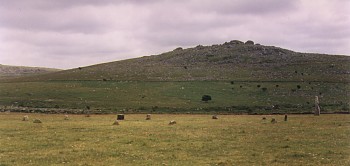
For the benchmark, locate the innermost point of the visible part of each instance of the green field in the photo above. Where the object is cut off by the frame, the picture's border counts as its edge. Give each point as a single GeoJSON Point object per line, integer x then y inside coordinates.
{"type": "Point", "coordinates": [165, 97]}
{"type": "Point", "coordinates": [194, 140]}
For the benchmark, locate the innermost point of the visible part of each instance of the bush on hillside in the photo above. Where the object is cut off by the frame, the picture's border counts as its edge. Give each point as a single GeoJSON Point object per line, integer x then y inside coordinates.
{"type": "Point", "coordinates": [206, 98]}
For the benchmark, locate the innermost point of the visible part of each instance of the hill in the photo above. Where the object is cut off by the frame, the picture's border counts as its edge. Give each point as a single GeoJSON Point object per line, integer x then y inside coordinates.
{"type": "Point", "coordinates": [233, 60]}
{"type": "Point", "coordinates": [239, 78]}
{"type": "Point", "coordinates": [7, 71]}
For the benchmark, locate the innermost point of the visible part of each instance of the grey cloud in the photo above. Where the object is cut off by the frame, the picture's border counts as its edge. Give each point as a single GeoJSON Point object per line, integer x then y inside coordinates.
{"type": "Point", "coordinates": [67, 34]}
{"type": "Point", "coordinates": [62, 4]}
{"type": "Point", "coordinates": [250, 7]}
{"type": "Point", "coordinates": [65, 20]}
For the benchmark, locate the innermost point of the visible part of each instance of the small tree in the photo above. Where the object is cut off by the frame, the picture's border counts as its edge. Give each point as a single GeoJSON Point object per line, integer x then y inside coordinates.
{"type": "Point", "coordinates": [206, 98]}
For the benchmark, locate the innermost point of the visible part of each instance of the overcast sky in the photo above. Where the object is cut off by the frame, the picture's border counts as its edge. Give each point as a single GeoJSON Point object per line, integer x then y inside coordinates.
{"type": "Point", "coordinates": [71, 33]}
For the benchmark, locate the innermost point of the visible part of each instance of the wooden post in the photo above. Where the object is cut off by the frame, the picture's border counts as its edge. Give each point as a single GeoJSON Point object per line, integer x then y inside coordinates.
{"type": "Point", "coordinates": [317, 107]}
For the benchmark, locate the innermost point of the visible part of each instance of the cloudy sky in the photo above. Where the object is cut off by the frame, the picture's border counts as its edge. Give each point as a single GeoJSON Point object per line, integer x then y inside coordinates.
{"type": "Point", "coordinates": [70, 33]}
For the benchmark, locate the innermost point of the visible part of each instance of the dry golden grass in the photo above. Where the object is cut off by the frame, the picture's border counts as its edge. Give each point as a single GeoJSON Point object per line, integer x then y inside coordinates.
{"type": "Point", "coordinates": [194, 140]}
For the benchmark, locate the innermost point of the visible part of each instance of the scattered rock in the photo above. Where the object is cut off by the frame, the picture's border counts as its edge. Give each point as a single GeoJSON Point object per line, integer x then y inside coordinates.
{"type": "Point", "coordinates": [116, 122]}
{"type": "Point", "coordinates": [249, 42]}
{"type": "Point", "coordinates": [172, 122]}
{"type": "Point", "coordinates": [37, 121]}
{"type": "Point", "coordinates": [273, 120]}
{"type": "Point", "coordinates": [232, 42]}
{"type": "Point", "coordinates": [214, 117]}
{"type": "Point", "coordinates": [25, 118]}
{"type": "Point", "coordinates": [148, 117]}
{"type": "Point", "coordinates": [178, 49]}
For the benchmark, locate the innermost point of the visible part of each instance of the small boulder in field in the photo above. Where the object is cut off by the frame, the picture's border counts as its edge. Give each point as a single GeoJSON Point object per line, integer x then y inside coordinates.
{"type": "Point", "coordinates": [148, 117]}
{"type": "Point", "coordinates": [116, 122]}
{"type": "Point", "coordinates": [37, 121]}
{"type": "Point", "coordinates": [273, 120]}
{"type": "Point", "coordinates": [120, 117]}
{"type": "Point", "coordinates": [66, 117]}
{"type": "Point", "coordinates": [172, 122]}
{"type": "Point", "coordinates": [214, 117]}
{"type": "Point", "coordinates": [25, 118]}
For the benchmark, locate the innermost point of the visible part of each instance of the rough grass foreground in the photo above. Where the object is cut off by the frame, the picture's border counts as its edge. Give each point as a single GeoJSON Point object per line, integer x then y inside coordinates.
{"type": "Point", "coordinates": [194, 140]}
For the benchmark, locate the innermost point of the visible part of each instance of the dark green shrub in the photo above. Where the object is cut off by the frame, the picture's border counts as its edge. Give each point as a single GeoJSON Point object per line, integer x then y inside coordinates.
{"type": "Point", "coordinates": [206, 98]}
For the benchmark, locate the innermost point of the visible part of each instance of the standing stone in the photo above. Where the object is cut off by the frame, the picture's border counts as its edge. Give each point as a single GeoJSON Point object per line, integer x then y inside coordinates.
{"type": "Point", "coordinates": [25, 118]}
{"type": "Point", "coordinates": [273, 120]}
{"type": "Point", "coordinates": [116, 122]}
{"type": "Point", "coordinates": [120, 117]}
{"type": "Point", "coordinates": [285, 117]}
{"type": "Point", "coordinates": [148, 117]}
{"type": "Point", "coordinates": [172, 122]}
{"type": "Point", "coordinates": [37, 121]}
{"type": "Point", "coordinates": [317, 107]}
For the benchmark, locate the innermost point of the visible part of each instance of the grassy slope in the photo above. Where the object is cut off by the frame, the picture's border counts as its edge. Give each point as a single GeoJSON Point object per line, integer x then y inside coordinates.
{"type": "Point", "coordinates": [7, 71]}
{"type": "Point", "coordinates": [176, 80]}
{"type": "Point", "coordinates": [178, 96]}
{"type": "Point", "coordinates": [194, 140]}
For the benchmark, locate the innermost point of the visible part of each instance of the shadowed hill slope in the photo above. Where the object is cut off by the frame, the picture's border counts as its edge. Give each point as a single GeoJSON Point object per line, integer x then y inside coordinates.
{"type": "Point", "coordinates": [233, 60]}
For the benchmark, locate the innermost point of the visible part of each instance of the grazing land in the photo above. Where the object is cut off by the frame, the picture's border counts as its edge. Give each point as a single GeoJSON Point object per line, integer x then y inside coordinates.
{"type": "Point", "coordinates": [194, 140]}
{"type": "Point", "coordinates": [177, 97]}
